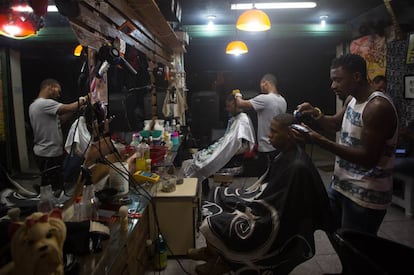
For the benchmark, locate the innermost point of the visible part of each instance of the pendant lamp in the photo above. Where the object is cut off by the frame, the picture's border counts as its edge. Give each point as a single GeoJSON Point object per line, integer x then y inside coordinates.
{"type": "Point", "coordinates": [13, 27]}
{"type": "Point", "coordinates": [236, 47]}
{"type": "Point", "coordinates": [253, 20]}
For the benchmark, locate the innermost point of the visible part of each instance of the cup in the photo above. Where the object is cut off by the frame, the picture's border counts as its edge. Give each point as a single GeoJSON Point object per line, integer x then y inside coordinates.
{"type": "Point", "coordinates": [169, 184]}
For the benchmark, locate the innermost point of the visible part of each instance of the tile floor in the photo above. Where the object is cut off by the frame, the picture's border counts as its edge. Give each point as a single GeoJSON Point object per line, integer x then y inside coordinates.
{"type": "Point", "coordinates": [396, 227]}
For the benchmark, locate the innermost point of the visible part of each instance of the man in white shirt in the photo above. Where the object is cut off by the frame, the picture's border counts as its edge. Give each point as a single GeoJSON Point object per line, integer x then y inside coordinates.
{"type": "Point", "coordinates": [267, 105]}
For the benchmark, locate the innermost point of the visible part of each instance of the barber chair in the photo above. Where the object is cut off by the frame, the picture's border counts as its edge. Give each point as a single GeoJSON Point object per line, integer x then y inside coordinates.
{"type": "Point", "coordinates": [362, 254]}
{"type": "Point", "coordinates": [403, 175]}
{"type": "Point", "coordinates": [235, 167]}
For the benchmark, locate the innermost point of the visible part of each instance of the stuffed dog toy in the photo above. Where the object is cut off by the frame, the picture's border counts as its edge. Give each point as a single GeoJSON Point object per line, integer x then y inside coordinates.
{"type": "Point", "coordinates": [37, 244]}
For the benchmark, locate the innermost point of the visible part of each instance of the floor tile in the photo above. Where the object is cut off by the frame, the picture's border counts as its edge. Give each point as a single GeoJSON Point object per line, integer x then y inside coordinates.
{"type": "Point", "coordinates": [400, 231]}
{"type": "Point", "coordinates": [396, 227]}
{"type": "Point", "coordinates": [322, 244]}
{"type": "Point", "coordinates": [329, 263]}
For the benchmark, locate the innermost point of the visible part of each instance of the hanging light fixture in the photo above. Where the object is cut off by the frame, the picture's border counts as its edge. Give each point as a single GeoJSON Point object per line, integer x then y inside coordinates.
{"type": "Point", "coordinates": [18, 20]}
{"type": "Point", "coordinates": [14, 27]}
{"type": "Point", "coordinates": [253, 20]}
{"type": "Point", "coordinates": [236, 47]}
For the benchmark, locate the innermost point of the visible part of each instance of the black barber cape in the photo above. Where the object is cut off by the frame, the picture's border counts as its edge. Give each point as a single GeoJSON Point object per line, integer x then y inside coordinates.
{"type": "Point", "coordinates": [268, 227]}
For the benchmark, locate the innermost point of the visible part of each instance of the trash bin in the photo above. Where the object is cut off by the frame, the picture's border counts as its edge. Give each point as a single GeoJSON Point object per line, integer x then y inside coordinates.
{"type": "Point", "coordinates": [363, 254]}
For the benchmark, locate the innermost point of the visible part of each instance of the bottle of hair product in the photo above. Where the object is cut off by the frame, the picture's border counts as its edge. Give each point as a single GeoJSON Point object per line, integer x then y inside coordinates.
{"type": "Point", "coordinates": [143, 152]}
{"type": "Point", "coordinates": [89, 203]}
{"type": "Point", "coordinates": [160, 256]}
{"type": "Point", "coordinates": [45, 204]}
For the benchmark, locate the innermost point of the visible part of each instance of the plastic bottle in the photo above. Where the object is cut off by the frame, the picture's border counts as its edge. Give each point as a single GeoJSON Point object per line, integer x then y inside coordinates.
{"type": "Point", "coordinates": [173, 125]}
{"type": "Point", "coordinates": [135, 140]}
{"type": "Point", "coordinates": [45, 204]}
{"type": "Point", "coordinates": [143, 151]}
{"type": "Point", "coordinates": [175, 139]}
{"type": "Point", "coordinates": [148, 165]}
{"type": "Point", "coordinates": [89, 203]}
{"type": "Point", "coordinates": [167, 127]}
{"type": "Point", "coordinates": [160, 256]}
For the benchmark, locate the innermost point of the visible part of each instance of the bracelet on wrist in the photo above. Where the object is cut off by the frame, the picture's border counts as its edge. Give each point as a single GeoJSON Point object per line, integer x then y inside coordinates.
{"type": "Point", "coordinates": [319, 115]}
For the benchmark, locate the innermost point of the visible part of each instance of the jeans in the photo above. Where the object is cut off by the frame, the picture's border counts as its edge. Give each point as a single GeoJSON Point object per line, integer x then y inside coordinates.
{"type": "Point", "coordinates": [347, 214]}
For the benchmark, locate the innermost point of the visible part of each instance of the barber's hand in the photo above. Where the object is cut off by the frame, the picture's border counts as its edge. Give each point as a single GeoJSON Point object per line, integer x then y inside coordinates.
{"type": "Point", "coordinates": [312, 135]}
{"type": "Point", "coordinates": [237, 93]}
{"type": "Point", "coordinates": [83, 100]}
{"type": "Point", "coordinates": [305, 109]}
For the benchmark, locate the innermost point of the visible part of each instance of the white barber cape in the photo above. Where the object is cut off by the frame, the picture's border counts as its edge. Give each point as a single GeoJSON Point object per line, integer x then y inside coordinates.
{"type": "Point", "coordinates": [211, 159]}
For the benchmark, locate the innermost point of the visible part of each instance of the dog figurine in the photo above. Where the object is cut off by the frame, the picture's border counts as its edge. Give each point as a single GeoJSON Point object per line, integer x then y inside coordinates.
{"type": "Point", "coordinates": [37, 244]}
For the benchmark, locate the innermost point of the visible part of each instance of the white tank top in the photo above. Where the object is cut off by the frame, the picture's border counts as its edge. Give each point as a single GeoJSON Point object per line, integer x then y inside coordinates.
{"type": "Point", "coordinates": [370, 188]}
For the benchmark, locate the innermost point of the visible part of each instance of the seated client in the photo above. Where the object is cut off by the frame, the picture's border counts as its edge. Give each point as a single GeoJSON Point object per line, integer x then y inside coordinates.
{"type": "Point", "coordinates": [238, 138]}
{"type": "Point", "coordinates": [267, 228]}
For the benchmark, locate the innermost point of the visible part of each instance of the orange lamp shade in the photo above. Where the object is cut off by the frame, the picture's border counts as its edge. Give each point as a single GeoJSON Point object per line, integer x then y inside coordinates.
{"type": "Point", "coordinates": [254, 21]}
{"type": "Point", "coordinates": [236, 48]}
{"type": "Point", "coordinates": [14, 27]}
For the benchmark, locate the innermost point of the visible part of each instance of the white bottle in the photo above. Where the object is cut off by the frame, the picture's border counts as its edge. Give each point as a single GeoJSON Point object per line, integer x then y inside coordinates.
{"type": "Point", "coordinates": [173, 126]}
{"type": "Point", "coordinates": [89, 203]}
{"type": "Point", "coordinates": [45, 204]}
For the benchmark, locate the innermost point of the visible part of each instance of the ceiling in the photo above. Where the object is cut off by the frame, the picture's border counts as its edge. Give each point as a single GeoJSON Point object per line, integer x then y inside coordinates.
{"type": "Point", "coordinates": [344, 17]}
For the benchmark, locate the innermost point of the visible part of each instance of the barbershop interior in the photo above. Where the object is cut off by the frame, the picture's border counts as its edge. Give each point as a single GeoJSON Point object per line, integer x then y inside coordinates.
{"type": "Point", "coordinates": [206, 137]}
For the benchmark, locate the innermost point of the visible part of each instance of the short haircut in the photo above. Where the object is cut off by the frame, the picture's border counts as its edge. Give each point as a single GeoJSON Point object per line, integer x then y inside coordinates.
{"type": "Point", "coordinates": [48, 82]}
{"type": "Point", "coordinates": [352, 63]}
{"type": "Point", "coordinates": [285, 119]}
{"type": "Point", "coordinates": [271, 78]}
{"type": "Point", "coordinates": [379, 78]}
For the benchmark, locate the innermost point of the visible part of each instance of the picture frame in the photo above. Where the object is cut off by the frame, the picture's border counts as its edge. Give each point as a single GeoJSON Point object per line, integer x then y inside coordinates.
{"type": "Point", "coordinates": [409, 86]}
{"type": "Point", "coordinates": [410, 49]}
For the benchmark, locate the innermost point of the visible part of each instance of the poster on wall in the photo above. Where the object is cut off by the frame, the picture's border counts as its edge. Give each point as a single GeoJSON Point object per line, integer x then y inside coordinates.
{"type": "Point", "coordinates": [373, 48]}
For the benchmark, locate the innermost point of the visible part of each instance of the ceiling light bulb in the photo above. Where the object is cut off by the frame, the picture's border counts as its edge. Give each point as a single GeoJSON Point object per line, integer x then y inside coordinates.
{"type": "Point", "coordinates": [22, 8]}
{"type": "Point", "coordinates": [210, 25]}
{"type": "Point", "coordinates": [323, 20]}
{"type": "Point", "coordinates": [12, 29]}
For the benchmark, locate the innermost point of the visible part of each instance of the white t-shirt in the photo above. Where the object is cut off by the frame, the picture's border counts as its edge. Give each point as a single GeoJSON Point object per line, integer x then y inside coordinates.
{"type": "Point", "coordinates": [267, 106]}
{"type": "Point", "coordinates": [47, 133]}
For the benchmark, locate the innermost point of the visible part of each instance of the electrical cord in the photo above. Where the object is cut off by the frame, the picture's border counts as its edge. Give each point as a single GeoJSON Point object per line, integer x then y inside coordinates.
{"type": "Point", "coordinates": [127, 175]}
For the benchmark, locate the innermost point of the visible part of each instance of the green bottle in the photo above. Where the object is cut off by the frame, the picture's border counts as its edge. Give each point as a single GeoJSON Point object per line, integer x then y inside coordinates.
{"type": "Point", "coordinates": [160, 255]}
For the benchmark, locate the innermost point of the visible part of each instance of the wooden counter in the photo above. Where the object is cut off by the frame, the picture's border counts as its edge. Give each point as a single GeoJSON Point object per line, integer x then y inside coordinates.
{"type": "Point", "coordinates": [125, 252]}
{"type": "Point", "coordinates": [177, 215]}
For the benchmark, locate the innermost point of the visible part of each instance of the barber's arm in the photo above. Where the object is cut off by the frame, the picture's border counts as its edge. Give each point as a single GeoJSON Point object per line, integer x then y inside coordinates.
{"type": "Point", "coordinates": [379, 125]}
{"type": "Point", "coordinates": [66, 111]}
{"type": "Point", "coordinates": [331, 123]}
{"type": "Point", "coordinates": [244, 104]}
